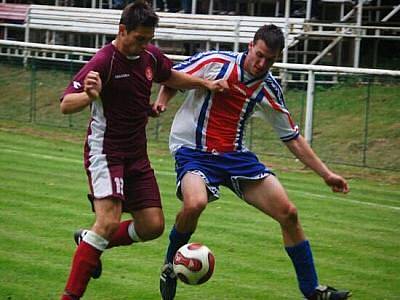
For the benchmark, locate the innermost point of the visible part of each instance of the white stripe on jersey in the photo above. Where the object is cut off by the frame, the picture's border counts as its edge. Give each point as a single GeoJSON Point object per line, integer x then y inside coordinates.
{"type": "Point", "coordinates": [100, 175]}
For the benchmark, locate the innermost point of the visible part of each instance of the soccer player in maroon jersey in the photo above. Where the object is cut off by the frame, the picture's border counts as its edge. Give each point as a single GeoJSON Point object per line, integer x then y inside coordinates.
{"type": "Point", "coordinates": [207, 141]}
{"type": "Point", "coordinates": [116, 83]}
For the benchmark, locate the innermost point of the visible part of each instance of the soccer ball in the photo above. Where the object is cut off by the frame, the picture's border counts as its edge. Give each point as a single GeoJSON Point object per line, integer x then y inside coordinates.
{"type": "Point", "coordinates": [194, 263]}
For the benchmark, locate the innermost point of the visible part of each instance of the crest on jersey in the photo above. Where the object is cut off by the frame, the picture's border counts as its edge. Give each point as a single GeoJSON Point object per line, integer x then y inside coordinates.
{"type": "Point", "coordinates": [149, 73]}
{"type": "Point", "coordinates": [77, 85]}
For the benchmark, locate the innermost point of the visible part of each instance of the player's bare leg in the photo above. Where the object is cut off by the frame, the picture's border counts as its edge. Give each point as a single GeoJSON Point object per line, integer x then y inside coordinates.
{"type": "Point", "coordinates": [149, 223]}
{"type": "Point", "coordinates": [87, 255]}
{"type": "Point", "coordinates": [195, 199]}
{"type": "Point", "coordinates": [269, 196]}
{"type": "Point", "coordinates": [146, 224]}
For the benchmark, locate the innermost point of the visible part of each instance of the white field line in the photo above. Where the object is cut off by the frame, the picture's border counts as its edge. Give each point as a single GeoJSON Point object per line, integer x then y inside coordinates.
{"type": "Point", "coordinates": [166, 173]}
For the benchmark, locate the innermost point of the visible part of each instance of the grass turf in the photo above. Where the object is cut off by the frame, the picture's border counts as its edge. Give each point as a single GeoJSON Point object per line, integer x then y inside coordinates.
{"type": "Point", "coordinates": [42, 201]}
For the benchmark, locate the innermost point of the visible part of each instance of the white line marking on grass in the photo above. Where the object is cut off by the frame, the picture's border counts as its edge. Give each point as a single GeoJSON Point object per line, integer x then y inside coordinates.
{"type": "Point", "coordinates": [344, 199]}
{"type": "Point", "coordinates": [167, 173]}
{"type": "Point", "coordinates": [43, 156]}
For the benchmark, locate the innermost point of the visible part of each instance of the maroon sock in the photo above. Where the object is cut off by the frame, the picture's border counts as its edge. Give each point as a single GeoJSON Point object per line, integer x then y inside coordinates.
{"type": "Point", "coordinates": [85, 260]}
{"type": "Point", "coordinates": [121, 236]}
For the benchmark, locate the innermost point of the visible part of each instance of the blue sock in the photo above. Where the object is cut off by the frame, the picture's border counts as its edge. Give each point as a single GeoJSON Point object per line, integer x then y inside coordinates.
{"type": "Point", "coordinates": [303, 262]}
{"type": "Point", "coordinates": [176, 240]}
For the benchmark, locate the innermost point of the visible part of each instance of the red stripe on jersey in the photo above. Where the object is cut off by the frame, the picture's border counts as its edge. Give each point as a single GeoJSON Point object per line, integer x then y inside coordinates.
{"type": "Point", "coordinates": [202, 64]}
{"type": "Point", "coordinates": [278, 108]}
{"type": "Point", "coordinates": [225, 113]}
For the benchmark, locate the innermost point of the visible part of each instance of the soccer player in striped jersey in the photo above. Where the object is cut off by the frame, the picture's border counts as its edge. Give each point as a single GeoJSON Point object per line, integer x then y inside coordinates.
{"type": "Point", "coordinates": [207, 142]}
{"type": "Point", "coordinates": [116, 84]}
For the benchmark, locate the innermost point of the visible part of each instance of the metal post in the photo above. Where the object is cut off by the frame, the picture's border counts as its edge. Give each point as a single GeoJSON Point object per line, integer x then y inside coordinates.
{"type": "Point", "coordinates": [308, 9]}
{"type": "Point", "coordinates": [309, 107]}
{"type": "Point", "coordinates": [32, 114]}
{"type": "Point", "coordinates": [194, 6]}
{"type": "Point", "coordinates": [71, 75]}
{"type": "Point", "coordinates": [376, 41]}
{"type": "Point", "coordinates": [157, 129]}
{"type": "Point", "coordinates": [286, 49]}
{"type": "Point", "coordinates": [251, 5]}
{"type": "Point", "coordinates": [367, 104]}
{"type": "Point", "coordinates": [237, 36]}
{"type": "Point", "coordinates": [211, 7]}
{"type": "Point", "coordinates": [391, 14]}
{"type": "Point", "coordinates": [277, 7]}
{"type": "Point", "coordinates": [26, 39]}
{"type": "Point", "coordinates": [251, 134]}
{"type": "Point", "coordinates": [358, 39]}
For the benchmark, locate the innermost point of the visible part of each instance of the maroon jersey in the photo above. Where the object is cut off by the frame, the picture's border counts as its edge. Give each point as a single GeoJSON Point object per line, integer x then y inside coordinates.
{"type": "Point", "coordinates": [118, 121]}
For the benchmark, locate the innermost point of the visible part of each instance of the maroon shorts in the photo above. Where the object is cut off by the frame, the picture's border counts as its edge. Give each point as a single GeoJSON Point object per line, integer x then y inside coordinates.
{"type": "Point", "coordinates": [129, 179]}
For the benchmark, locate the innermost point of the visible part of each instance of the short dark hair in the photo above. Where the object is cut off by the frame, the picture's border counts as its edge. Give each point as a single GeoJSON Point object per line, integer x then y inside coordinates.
{"type": "Point", "coordinates": [138, 13]}
{"type": "Point", "coordinates": [272, 36]}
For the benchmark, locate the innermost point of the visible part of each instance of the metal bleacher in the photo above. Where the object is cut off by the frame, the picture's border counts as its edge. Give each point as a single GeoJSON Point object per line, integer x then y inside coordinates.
{"type": "Point", "coordinates": [27, 30]}
{"type": "Point", "coordinates": [92, 28]}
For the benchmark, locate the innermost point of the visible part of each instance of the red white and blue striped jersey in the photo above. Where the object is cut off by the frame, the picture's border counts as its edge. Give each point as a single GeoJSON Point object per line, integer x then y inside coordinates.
{"type": "Point", "coordinates": [215, 122]}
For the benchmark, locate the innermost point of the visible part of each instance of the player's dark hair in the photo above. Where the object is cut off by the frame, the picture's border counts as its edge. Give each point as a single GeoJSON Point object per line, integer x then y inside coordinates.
{"type": "Point", "coordinates": [272, 36]}
{"type": "Point", "coordinates": [138, 13]}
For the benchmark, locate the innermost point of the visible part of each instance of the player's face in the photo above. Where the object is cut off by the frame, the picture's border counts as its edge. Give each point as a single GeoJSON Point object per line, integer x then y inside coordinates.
{"type": "Point", "coordinates": [260, 58]}
{"type": "Point", "coordinates": [135, 41]}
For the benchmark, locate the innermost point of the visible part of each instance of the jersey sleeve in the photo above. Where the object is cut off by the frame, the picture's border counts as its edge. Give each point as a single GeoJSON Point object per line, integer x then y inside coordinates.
{"type": "Point", "coordinates": [203, 65]}
{"type": "Point", "coordinates": [273, 109]}
{"type": "Point", "coordinates": [163, 65]}
{"type": "Point", "coordinates": [99, 63]}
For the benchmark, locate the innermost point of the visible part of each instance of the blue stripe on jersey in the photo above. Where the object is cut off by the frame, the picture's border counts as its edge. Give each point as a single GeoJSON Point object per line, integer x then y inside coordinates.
{"type": "Point", "coordinates": [241, 64]}
{"type": "Point", "coordinates": [249, 110]}
{"type": "Point", "coordinates": [203, 111]}
{"type": "Point", "coordinates": [290, 137]}
{"type": "Point", "coordinates": [278, 86]}
{"type": "Point", "coordinates": [192, 60]}
{"type": "Point", "coordinates": [197, 57]}
{"type": "Point", "coordinates": [228, 53]}
{"type": "Point", "coordinates": [275, 88]}
{"type": "Point", "coordinates": [200, 123]}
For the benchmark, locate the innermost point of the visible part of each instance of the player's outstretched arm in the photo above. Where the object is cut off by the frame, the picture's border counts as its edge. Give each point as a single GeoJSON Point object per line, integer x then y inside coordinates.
{"type": "Point", "coordinates": [306, 155]}
{"type": "Point", "coordinates": [76, 102]}
{"type": "Point", "coordinates": [164, 96]}
{"type": "Point", "coordinates": [180, 80]}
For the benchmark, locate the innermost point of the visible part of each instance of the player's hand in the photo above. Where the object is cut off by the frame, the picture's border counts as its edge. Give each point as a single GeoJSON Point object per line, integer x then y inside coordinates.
{"type": "Point", "coordinates": [92, 85]}
{"type": "Point", "coordinates": [157, 108]}
{"type": "Point", "coordinates": [219, 85]}
{"type": "Point", "coordinates": [337, 183]}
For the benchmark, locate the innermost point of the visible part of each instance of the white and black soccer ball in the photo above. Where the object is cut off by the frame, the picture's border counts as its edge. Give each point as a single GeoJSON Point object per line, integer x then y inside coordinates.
{"type": "Point", "coordinates": [194, 263]}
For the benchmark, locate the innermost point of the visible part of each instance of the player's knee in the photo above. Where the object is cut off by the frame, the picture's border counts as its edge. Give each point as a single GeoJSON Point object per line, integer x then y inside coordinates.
{"type": "Point", "coordinates": [107, 228]}
{"type": "Point", "coordinates": [153, 231]}
{"type": "Point", "coordinates": [289, 216]}
{"type": "Point", "coordinates": [194, 206]}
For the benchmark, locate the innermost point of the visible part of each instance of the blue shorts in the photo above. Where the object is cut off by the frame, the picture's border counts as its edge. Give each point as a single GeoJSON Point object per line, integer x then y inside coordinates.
{"type": "Point", "coordinates": [226, 169]}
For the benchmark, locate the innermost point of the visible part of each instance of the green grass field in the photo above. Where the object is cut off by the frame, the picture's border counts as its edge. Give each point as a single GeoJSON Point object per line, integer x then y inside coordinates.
{"type": "Point", "coordinates": [43, 189]}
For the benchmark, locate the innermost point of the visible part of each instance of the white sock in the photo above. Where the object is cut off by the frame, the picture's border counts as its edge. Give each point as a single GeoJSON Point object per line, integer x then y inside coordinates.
{"type": "Point", "coordinates": [133, 234]}
{"type": "Point", "coordinates": [95, 240]}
